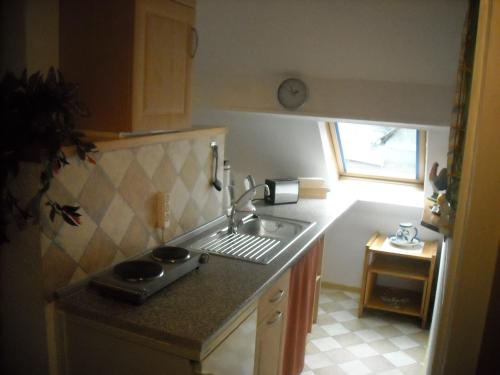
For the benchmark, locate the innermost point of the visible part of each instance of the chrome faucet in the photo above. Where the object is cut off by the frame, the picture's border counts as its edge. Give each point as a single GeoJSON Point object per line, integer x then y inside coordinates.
{"type": "Point", "coordinates": [244, 201]}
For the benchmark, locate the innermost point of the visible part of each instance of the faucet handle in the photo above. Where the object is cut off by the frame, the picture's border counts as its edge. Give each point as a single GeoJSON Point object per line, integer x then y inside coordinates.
{"type": "Point", "coordinates": [249, 182]}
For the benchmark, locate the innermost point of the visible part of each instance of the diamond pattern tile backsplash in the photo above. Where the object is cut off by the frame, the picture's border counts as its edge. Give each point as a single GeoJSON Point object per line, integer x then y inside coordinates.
{"type": "Point", "coordinates": [117, 198]}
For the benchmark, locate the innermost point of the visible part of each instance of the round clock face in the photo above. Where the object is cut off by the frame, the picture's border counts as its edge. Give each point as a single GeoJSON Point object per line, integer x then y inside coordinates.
{"type": "Point", "coordinates": [292, 93]}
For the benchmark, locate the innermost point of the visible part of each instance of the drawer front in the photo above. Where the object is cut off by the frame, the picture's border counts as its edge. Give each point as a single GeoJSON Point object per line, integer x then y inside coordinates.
{"type": "Point", "coordinates": [276, 294]}
{"type": "Point", "coordinates": [270, 341]}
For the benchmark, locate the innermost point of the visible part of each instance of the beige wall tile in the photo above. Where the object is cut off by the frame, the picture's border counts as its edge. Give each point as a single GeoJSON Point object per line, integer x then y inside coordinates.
{"type": "Point", "coordinates": [139, 193]}
{"type": "Point", "coordinates": [117, 199]}
{"type": "Point", "coordinates": [190, 172]}
{"type": "Point", "coordinates": [115, 164]}
{"type": "Point", "coordinates": [189, 219]}
{"type": "Point", "coordinates": [212, 207]}
{"type": "Point", "coordinates": [165, 176]}
{"type": "Point", "coordinates": [74, 176]}
{"type": "Point", "coordinates": [117, 219]}
{"type": "Point", "coordinates": [202, 150]}
{"type": "Point", "coordinates": [74, 240]}
{"type": "Point", "coordinates": [78, 275]}
{"type": "Point", "coordinates": [99, 254]}
{"type": "Point", "coordinates": [201, 190]}
{"type": "Point", "coordinates": [149, 158]}
{"type": "Point", "coordinates": [178, 152]}
{"type": "Point", "coordinates": [136, 238]}
{"type": "Point", "coordinates": [178, 198]}
{"type": "Point", "coordinates": [97, 194]}
{"type": "Point", "coordinates": [60, 194]}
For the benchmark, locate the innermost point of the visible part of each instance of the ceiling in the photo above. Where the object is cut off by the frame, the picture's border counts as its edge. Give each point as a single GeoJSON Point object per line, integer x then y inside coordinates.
{"type": "Point", "coordinates": [410, 41]}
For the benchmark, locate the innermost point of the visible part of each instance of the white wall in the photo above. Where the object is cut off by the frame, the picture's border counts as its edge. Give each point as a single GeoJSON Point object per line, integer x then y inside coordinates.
{"type": "Point", "coordinates": [267, 145]}
{"type": "Point", "coordinates": [346, 238]}
{"type": "Point", "coordinates": [282, 146]}
{"type": "Point", "coordinates": [385, 60]}
{"type": "Point", "coordinates": [378, 60]}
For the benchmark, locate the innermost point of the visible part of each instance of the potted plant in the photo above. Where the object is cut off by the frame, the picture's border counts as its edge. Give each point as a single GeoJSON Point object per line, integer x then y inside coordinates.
{"type": "Point", "coordinates": [37, 118]}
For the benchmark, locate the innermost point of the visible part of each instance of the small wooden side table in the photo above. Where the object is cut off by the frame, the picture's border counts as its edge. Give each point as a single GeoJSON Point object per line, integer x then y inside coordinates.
{"type": "Point", "coordinates": [381, 258]}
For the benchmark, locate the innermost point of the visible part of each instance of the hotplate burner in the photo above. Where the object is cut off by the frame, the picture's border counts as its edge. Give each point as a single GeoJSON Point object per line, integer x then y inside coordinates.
{"type": "Point", "coordinates": [138, 270]}
{"type": "Point", "coordinates": [170, 254]}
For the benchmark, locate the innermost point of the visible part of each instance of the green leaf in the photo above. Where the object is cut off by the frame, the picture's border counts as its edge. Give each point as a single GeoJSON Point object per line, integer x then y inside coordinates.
{"type": "Point", "coordinates": [69, 219]}
{"type": "Point", "coordinates": [52, 214]}
{"type": "Point", "coordinates": [81, 152]}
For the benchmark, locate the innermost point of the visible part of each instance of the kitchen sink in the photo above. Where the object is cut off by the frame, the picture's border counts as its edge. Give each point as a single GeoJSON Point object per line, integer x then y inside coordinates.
{"type": "Point", "coordinates": [258, 239]}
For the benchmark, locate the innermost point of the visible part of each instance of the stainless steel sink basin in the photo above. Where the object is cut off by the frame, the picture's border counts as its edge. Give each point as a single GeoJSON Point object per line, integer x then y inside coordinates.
{"type": "Point", "coordinates": [259, 239]}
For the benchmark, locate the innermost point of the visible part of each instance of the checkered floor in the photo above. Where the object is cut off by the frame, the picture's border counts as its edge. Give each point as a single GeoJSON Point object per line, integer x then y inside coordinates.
{"type": "Point", "coordinates": [377, 343]}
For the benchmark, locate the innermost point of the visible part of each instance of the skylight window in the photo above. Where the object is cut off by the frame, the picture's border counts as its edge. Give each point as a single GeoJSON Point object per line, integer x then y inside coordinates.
{"type": "Point", "coordinates": [379, 151]}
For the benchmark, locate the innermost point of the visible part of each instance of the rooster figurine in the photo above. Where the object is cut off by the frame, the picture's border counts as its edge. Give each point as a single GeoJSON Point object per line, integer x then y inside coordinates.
{"type": "Point", "coordinates": [439, 181]}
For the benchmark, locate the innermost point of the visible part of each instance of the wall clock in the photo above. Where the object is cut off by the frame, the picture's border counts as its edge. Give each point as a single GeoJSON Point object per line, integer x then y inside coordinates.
{"type": "Point", "coordinates": [292, 93]}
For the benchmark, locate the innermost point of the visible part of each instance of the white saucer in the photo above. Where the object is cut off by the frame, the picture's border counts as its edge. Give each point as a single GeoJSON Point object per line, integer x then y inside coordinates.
{"type": "Point", "coordinates": [415, 244]}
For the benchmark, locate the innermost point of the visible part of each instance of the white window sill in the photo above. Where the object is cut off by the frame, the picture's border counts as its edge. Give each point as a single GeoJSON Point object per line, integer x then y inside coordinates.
{"type": "Point", "coordinates": [352, 189]}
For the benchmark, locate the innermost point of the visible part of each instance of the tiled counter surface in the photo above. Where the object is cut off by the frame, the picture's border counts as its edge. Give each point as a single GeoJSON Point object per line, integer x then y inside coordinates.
{"type": "Point", "coordinates": [190, 313]}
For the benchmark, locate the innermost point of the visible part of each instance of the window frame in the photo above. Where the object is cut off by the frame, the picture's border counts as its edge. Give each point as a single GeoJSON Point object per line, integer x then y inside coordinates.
{"type": "Point", "coordinates": [421, 141]}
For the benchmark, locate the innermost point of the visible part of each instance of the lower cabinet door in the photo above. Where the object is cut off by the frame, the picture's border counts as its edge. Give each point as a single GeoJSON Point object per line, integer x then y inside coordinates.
{"type": "Point", "coordinates": [270, 342]}
{"type": "Point", "coordinates": [236, 354]}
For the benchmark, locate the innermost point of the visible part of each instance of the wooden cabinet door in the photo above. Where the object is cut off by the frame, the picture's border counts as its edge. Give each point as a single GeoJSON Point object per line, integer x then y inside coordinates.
{"type": "Point", "coordinates": [270, 342]}
{"type": "Point", "coordinates": [163, 41]}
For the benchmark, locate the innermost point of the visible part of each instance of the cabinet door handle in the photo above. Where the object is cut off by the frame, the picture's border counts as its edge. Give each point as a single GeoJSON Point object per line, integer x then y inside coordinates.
{"type": "Point", "coordinates": [196, 42]}
{"type": "Point", "coordinates": [279, 295]}
{"type": "Point", "coordinates": [277, 317]}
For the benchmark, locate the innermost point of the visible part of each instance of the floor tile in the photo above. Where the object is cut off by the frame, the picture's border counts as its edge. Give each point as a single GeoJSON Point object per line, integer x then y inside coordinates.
{"type": "Point", "coordinates": [362, 350]}
{"type": "Point", "coordinates": [311, 348]}
{"type": "Point", "coordinates": [331, 307]}
{"type": "Point", "coordinates": [349, 304]}
{"type": "Point", "coordinates": [318, 331]}
{"type": "Point", "coordinates": [404, 342]}
{"type": "Point", "coordinates": [379, 342]}
{"type": "Point", "coordinates": [368, 335]}
{"type": "Point", "coordinates": [327, 319]}
{"type": "Point", "coordinates": [355, 368]}
{"type": "Point", "coordinates": [384, 346]}
{"type": "Point", "coordinates": [335, 329]}
{"type": "Point", "coordinates": [330, 370]}
{"type": "Point", "coordinates": [399, 359]}
{"type": "Point", "coordinates": [319, 360]}
{"type": "Point", "coordinates": [324, 298]}
{"type": "Point", "coordinates": [348, 339]}
{"type": "Point", "coordinates": [407, 328]}
{"type": "Point", "coordinates": [356, 325]}
{"type": "Point", "coordinates": [343, 316]}
{"type": "Point", "coordinates": [377, 363]}
{"type": "Point", "coordinates": [340, 355]}
{"type": "Point", "coordinates": [415, 369]}
{"type": "Point", "coordinates": [325, 344]}
{"type": "Point", "coordinates": [388, 331]}
{"type": "Point", "coordinates": [418, 353]}
{"type": "Point", "coordinates": [391, 372]}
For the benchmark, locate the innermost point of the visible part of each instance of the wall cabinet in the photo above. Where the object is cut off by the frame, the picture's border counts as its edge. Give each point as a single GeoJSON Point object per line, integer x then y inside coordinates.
{"type": "Point", "coordinates": [132, 61]}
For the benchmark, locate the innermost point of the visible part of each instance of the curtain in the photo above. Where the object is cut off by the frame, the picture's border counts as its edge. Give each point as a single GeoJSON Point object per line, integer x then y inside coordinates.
{"type": "Point", "coordinates": [460, 108]}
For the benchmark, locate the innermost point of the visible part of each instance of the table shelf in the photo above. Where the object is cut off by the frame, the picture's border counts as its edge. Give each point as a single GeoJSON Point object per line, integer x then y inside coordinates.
{"type": "Point", "coordinates": [381, 259]}
{"type": "Point", "coordinates": [411, 307]}
{"type": "Point", "coordinates": [404, 268]}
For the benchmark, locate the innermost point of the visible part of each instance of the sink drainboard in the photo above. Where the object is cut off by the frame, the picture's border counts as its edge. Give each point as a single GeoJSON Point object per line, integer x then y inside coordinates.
{"type": "Point", "coordinates": [241, 246]}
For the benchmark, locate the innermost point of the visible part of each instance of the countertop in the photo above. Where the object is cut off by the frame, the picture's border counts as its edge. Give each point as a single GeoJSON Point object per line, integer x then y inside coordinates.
{"type": "Point", "coordinates": [190, 313]}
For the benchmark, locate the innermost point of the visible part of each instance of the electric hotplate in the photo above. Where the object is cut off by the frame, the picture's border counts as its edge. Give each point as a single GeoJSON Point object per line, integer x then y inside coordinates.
{"type": "Point", "coordinates": [136, 280]}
